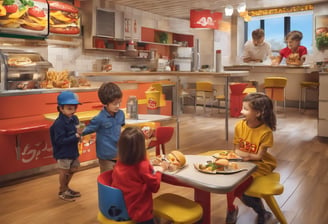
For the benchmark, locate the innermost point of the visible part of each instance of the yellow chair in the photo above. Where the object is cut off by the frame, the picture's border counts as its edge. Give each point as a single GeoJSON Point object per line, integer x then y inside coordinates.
{"type": "Point", "coordinates": [205, 92]}
{"type": "Point", "coordinates": [275, 88]}
{"type": "Point", "coordinates": [266, 187]}
{"type": "Point", "coordinates": [177, 209]}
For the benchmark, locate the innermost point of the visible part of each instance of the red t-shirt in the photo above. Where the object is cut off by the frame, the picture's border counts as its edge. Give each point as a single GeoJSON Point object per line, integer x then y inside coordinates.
{"type": "Point", "coordinates": [137, 182]}
{"type": "Point", "coordinates": [285, 52]}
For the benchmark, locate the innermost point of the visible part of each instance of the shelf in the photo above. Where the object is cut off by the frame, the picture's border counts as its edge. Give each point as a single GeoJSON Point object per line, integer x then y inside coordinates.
{"type": "Point", "coordinates": [148, 42]}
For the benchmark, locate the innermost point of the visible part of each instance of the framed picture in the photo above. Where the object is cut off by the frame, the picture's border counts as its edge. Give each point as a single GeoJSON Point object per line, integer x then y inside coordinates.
{"type": "Point", "coordinates": [321, 32]}
{"type": "Point", "coordinates": [127, 28]}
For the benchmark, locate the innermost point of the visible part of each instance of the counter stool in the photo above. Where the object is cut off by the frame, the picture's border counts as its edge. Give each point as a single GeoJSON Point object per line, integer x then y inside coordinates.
{"type": "Point", "coordinates": [178, 209]}
{"type": "Point", "coordinates": [275, 88]}
{"type": "Point", "coordinates": [305, 86]}
{"type": "Point", "coordinates": [266, 187]}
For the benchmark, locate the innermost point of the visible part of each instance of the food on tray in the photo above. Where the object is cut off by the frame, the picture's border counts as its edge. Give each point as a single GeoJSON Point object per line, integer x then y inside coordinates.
{"type": "Point", "coordinates": [230, 155]}
{"type": "Point", "coordinates": [19, 61]}
{"type": "Point", "coordinates": [64, 18]}
{"type": "Point", "coordinates": [294, 59]}
{"type": "Point", "coordinates": [174, 160]}
{"type": "Point", "coordinates": [217, 166]}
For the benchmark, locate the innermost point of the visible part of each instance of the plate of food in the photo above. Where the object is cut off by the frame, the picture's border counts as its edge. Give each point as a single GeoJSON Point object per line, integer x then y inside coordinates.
{"type": "Point", "coordinates": [227, 154]}
{"type": "Point", "coordinates": [219, 166]}
{"type": "Point", "coordinates": [173, 161]}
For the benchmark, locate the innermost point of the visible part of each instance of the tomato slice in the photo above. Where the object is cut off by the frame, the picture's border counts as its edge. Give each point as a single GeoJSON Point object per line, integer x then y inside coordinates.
{"type": "Point", "coordinates": [36, 12]}
{"type": "Point", "coordinates": [11, 8]}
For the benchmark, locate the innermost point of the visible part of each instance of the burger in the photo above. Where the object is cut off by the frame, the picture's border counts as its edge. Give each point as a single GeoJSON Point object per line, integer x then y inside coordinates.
{"type": "Point", "coordinates": [64, 18]}
{"type": "Point", "coordinates": [34, 19]}
{"type": "Point", "coordinates": [176, 158]}
{"type": "Point", "coordinates": [10, 14]}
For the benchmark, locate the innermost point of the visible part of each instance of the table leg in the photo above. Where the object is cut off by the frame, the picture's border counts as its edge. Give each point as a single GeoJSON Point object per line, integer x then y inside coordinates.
{"type": "Point", "coordinates": [227, 108]}
{"type": "Point", "coordinates": [204, 198]}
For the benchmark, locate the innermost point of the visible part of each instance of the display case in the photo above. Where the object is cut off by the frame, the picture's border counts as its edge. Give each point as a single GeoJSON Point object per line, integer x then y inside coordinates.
{"type": "Point", "coordinates": [22, 70]}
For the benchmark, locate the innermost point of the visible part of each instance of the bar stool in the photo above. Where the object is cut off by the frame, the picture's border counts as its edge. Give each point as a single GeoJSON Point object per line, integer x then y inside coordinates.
{"type": "Point", "coordinates": [311, 82]}
{"type": "Point", "coordinates": [275, 88]}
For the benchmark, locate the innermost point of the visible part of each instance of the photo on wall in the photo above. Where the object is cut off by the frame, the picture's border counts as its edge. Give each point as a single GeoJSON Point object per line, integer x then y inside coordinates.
{"type": "Point", "coordinates": [321, 32]}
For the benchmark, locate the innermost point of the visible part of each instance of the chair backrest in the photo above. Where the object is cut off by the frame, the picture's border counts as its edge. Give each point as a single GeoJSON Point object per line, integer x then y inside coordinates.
{"type": "Point", "coordinates": [110, 200]}
{"type": "Point", "coordinates": [204, 86]}
{"type": "Point", "coordinates": [164, 134]}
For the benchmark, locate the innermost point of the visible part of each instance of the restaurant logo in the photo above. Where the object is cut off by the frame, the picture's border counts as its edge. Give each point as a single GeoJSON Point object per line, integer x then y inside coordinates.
{"type": "Point", "coordinates": [205, 19]}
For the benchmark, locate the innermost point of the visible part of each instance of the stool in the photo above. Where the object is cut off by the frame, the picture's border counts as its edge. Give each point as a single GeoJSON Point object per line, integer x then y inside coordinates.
{"type": "Point", "coordinates": [304, 87]}
{"type": "Point", "coordinates": [266, 187]}
{"type": "Point", "coordinates": [177, 209]}
{"type": "Point", "coordinates": [274, 87]}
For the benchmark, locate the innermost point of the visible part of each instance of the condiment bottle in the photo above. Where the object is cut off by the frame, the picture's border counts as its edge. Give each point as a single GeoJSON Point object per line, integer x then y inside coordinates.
{"type": "Point", "coordinates": [132, 108]}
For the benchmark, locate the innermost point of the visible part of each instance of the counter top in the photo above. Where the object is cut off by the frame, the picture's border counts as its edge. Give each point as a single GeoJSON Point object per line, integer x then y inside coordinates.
{"type": "Point", "coordinates": [249, 67]}
{"type": "Point", "coordinates": [147, 73]}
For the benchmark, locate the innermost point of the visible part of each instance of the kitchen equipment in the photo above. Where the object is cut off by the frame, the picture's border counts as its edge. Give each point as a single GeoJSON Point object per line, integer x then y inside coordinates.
{"type": "Point", "coordinates": [21, 70]}
{"type": "Point", "coordinates": [218, 64]}
{"type": "Point", "coordinates": [184, 59]}
{"type": "Point", "coordinates": [132, 108]}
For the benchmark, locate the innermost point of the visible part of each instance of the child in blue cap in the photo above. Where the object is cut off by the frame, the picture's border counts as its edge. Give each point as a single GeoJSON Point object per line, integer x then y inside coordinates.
{"type": "Point", "coordinates": [64, 138]}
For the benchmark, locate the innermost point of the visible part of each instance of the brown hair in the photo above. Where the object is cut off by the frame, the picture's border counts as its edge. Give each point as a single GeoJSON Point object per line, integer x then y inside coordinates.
{"type": "Point", "coordinates": [262, 103]}
{"type": "Point", "coordinates": [131, 146]}
{"type": "Point", "coordinates": [257, 34]}
{"type": "Point", "coordinates": [108, 92]}
{"type": "Point", "coordinates": [294, 35]}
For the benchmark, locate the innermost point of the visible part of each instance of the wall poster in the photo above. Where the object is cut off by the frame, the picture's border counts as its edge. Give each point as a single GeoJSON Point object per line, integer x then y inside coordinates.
{"type": "Point", "coordinates": [321, 32]}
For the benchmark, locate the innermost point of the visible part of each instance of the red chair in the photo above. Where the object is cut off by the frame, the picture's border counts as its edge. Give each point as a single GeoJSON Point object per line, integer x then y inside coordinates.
{"type": "Point", "coordinates": [162, 136]}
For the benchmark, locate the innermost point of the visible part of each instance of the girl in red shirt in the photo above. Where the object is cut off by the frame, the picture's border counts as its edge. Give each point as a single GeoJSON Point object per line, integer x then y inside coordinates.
{"type": "Point", "coordinates": [135, 176]}
{"type": "Point", "coordinates": [294, 52]}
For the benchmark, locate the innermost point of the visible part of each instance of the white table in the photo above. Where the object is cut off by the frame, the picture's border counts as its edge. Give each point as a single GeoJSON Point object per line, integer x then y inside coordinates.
{"type": "Point", "coordinates": [204, 184]}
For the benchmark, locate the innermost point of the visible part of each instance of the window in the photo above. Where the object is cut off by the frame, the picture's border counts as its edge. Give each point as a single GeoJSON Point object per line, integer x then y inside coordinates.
{"type": "Point", "coordinates": [275, 28]}
{"type": "Point", "coordinates": [303, 23]}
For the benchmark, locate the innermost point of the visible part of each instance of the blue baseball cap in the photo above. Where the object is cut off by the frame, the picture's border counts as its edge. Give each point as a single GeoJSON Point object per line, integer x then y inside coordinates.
{"type": "Point", "coordinates": [68, 98]}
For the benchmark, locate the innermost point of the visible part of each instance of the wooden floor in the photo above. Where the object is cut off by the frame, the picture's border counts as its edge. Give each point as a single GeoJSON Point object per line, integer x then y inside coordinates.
{"type": "Point", "coordinates": [302, 163]}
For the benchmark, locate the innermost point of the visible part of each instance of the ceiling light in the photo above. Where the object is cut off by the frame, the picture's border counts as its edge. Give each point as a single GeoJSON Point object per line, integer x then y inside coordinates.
{"type": "Point", "coordinates": [228, 10]}
{"type": "Point", "coordinates": [241, 7]}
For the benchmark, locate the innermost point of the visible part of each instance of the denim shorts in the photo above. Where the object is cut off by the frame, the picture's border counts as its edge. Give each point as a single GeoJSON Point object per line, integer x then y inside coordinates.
{"type": "Point", "coordinates": [68, 163]}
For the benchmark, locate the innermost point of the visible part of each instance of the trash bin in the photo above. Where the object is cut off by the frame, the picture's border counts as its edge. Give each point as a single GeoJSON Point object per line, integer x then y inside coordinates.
{"type": "Point", "coordinates": [236, 98]}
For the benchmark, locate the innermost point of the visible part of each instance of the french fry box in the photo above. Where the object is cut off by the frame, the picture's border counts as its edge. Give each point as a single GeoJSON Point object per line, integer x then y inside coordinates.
{"type": "Point", "coordinates": [153, 98]}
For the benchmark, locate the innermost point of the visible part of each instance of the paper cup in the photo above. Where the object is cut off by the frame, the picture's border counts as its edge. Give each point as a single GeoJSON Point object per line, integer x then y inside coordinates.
{"type": "Point", "coordinates": [153, 99]}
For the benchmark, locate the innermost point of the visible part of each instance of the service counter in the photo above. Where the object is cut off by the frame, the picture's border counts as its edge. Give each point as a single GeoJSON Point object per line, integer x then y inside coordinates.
{"type": "Point", "coordinates": [294, 74]}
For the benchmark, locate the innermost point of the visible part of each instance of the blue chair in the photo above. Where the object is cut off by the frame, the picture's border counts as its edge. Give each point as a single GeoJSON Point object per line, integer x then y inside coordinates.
{"type": "Point", "coordinates": [112, 209]}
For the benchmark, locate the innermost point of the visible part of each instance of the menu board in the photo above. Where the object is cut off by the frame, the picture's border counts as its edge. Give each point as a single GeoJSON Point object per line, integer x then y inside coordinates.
{"type": "Point", "coordinates": [24, 17]}
{"type": "Point", "coordinates": [64, 18]}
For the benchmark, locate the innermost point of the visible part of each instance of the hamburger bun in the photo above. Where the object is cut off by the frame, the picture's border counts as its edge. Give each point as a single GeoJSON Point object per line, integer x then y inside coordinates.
{"type": "Point", "coordinates": [176, 158]}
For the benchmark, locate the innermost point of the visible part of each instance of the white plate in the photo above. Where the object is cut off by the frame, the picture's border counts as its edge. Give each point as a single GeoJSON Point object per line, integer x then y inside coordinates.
{"type": "Point", "coordinates": [226, 171]}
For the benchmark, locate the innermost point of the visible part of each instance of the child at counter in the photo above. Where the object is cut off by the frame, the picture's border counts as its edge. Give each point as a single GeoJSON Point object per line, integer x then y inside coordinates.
{"type": "Point", "coordinates": [64, 139]}
{"type": "Point", "coordinates": [294, 52]}
{"type": "Point", "coordinates": [253, 136]}
{"type": "Point", "coordinates": [107, 125]}
{"type": "Point", "coordinates": [135, 176]}
{"type": "Point", "coordinates": [256, 50]}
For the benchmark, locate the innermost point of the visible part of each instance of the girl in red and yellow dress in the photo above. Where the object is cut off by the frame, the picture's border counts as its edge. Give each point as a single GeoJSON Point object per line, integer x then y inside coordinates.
{"type": "Point", "coordinates": [252, 138]}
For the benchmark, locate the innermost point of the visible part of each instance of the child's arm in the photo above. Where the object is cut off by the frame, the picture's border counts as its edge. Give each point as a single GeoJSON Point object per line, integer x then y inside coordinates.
{"type": "Point", "coordinates": [91, 127]}
{"type": "Point", "coordinates": [250, 156]}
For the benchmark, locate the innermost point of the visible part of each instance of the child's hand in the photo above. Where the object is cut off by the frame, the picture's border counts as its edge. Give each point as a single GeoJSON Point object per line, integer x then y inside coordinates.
{"type": "Point", "coordinates": [164, 165]}
{"type": "Point", "coordinates": [80, 128]}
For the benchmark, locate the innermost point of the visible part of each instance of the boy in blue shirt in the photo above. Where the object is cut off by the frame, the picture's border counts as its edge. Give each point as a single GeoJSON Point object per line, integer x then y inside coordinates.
{"type": "Point", "coordinates": [64, 139]}
{"type": "Point", "coordinates": [107, 125]}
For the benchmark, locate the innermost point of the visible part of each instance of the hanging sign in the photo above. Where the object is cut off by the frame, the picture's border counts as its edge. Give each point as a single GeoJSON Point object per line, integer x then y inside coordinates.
{"type": "Point", "coordinates": [204, 19]}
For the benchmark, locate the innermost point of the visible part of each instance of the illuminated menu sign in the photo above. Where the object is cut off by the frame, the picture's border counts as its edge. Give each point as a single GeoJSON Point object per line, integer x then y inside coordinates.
{"type": "Point", "coordinates": [24, 17]}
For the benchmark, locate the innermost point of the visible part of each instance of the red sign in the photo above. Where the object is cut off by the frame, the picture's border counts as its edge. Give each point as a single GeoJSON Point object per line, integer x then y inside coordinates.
{"type": "Point", "coordinates": [204, 19]}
